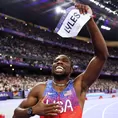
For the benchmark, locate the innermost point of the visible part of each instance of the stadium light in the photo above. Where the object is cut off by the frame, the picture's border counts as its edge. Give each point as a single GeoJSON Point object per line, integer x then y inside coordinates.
{"type": "Point", "coordinates": [5, 18]}
{"type": "Point", "coordinates": [12, 69]}
{"type": "Point", "coordinates": [60, 10]}
{"type": "Point", "coordinates": [11, 57]}
{"type": "Point", "coordinates": [10, 65]}
{"type": "Point", "coordinates": [105, 27]}
{"type": "Point", "coordinates": [102, 6]}
{"type": "Point", "coordinates": [105, 7]}
{"type": "Point", "coordinates": [63, 11]}
{"type": "Point", "coordinates": [41, 68]}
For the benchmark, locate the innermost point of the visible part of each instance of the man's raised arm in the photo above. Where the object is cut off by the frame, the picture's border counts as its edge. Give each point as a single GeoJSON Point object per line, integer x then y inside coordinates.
{"type": "Point", "coordinates": [95, 66]}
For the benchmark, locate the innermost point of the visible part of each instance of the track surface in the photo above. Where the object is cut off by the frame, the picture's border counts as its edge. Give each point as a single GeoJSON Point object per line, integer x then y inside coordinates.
{"type": "Point", "coordinates": [99, 108]}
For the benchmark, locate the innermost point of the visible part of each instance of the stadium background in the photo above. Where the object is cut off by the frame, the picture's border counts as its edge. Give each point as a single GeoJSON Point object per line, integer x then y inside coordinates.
{"type": "Point", "coordinates": [28, 45]}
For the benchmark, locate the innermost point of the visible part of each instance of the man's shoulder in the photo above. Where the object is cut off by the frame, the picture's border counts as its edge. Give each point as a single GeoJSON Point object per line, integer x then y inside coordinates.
{"type": "Point", "coordinates": [39, 88]}
{"type": "Point", "coordinates": [40, 84]}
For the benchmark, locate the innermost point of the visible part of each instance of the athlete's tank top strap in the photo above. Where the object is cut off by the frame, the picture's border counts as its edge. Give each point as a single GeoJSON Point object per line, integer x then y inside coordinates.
{"type": "Point", "coordinates": [48, 86]}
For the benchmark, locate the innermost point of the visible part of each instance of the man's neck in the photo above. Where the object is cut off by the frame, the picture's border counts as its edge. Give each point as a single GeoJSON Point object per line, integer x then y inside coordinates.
{"type": "Point", "coordinates": [60, 85]}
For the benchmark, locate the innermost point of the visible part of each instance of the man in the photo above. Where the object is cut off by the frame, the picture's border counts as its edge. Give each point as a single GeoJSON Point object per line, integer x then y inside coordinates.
{"type": "Point", "coordinates": [61, 97]}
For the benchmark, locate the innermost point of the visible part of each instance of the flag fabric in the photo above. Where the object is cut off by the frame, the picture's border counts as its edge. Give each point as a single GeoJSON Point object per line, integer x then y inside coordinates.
{"type": "Point", "coordinates": [71, 22]}
{"type": "Point", "coordinates": [67, 93]}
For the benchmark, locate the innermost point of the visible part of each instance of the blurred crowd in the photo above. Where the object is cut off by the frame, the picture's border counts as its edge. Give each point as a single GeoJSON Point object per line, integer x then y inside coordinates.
{"type": "Point", "coordinates": [39, 47]}
{"type": "Point", "coordinates": [19, 83]}
{"type": "Point", "coordinates": [16, 50]}
{"type": "Point", "coordinates": [104, 85]}
{"type": "Point", "coordinates": [37, 32]}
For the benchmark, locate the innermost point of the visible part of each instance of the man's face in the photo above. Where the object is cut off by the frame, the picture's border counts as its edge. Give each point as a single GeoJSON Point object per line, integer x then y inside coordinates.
{"type": "Point", "coordinates": [61, 66]}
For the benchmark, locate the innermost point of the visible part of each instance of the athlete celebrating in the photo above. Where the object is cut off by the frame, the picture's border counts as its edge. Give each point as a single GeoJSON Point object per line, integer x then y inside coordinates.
{"type": "Point", "coordinates": [62, 97]}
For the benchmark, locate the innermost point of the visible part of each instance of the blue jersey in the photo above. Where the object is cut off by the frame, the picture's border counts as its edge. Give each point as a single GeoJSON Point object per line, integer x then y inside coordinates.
{"type": "Point", "coordinates": [68, 100]}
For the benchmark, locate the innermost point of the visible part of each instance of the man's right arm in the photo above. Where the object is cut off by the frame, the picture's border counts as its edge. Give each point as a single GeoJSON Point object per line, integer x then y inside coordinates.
{"type": "Point", "coordinates": [38, 107]}
{"type": "Point", "coordinates": [21, 110]}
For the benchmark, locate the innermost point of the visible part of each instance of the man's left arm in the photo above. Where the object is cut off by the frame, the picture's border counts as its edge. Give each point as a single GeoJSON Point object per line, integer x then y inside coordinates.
{"type": "Point", "coordinates": [95, 66]}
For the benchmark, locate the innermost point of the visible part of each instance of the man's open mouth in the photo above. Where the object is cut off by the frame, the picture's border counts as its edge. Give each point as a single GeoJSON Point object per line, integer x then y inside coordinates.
{"type": "Point", "coordinates": [59, 69]}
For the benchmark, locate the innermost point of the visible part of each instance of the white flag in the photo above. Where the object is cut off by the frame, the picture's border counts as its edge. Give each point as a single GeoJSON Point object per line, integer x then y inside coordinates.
{"type": "Point", "coordinates": [71, 23]}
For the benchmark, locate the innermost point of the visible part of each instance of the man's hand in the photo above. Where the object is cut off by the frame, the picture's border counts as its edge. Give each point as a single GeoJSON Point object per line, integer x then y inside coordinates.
{"type": "Point", "coordinates": [84, 8]}
{"type": "Point", "coordinates": [46, 109]}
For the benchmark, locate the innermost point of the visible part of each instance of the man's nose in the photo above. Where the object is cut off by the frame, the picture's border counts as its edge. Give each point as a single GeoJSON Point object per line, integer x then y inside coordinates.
{"type": "Point", "coordinates": [59, 61]}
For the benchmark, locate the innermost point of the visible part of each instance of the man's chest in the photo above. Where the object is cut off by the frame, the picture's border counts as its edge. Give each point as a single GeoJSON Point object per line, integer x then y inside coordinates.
{"type": "Point", "coordinates": [66, 99]}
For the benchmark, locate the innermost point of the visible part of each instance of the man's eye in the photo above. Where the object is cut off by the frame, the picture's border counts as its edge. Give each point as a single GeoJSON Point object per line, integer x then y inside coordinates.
{"type": "Point", "coordinates": [65, 60]}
